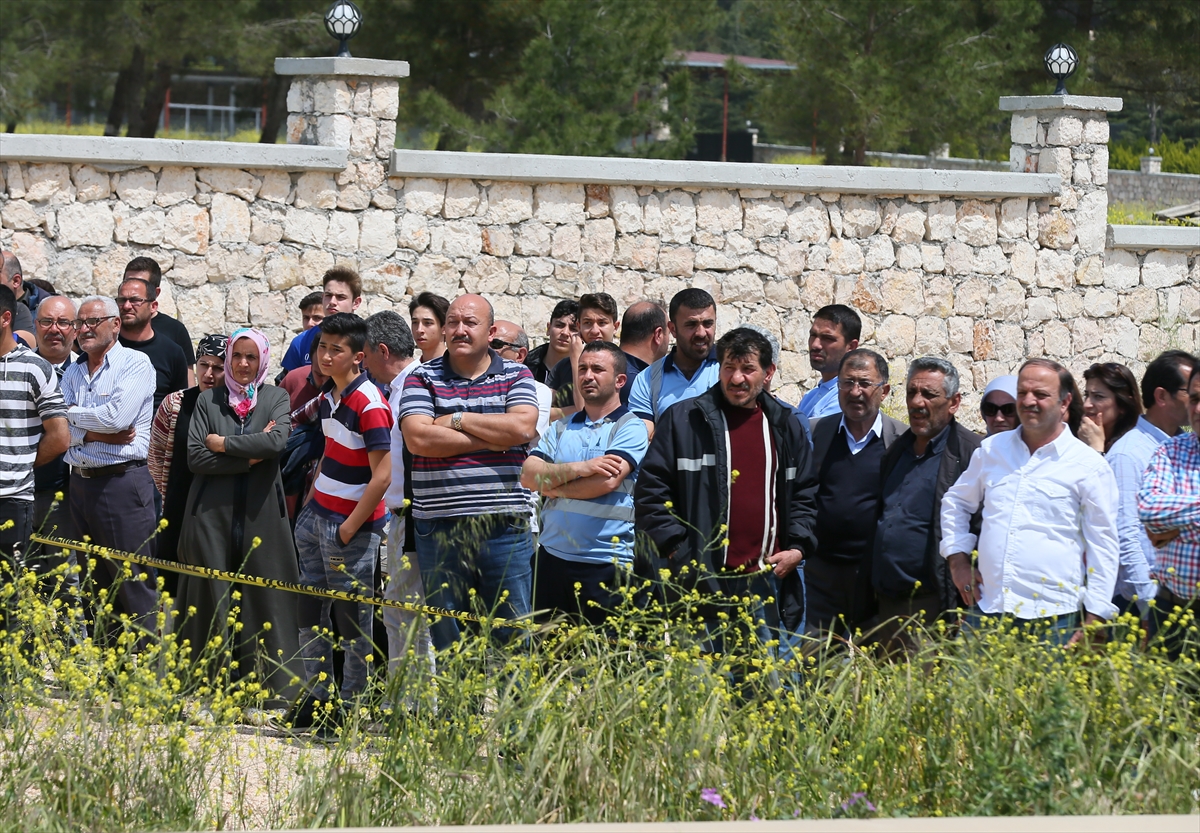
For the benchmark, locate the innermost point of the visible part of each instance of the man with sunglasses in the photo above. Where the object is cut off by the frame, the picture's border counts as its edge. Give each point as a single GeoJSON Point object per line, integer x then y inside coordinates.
{"type": "Point", "coordinates": [847, 458]}
{"type": "Point", "coordinates": [999, 405]}
{"type": "Point", "coordinates": [138, 304]}
{"type": "Point", "coordinates": [109, 394]}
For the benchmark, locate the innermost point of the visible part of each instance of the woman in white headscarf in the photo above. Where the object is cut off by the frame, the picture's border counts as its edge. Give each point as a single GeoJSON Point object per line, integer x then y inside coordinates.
{"type": "Point", "coordinates": [236, 520]}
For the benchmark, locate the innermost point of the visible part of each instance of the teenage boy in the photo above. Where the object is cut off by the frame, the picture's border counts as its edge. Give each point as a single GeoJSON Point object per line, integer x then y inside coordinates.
{"type": "Point", "coordinates": [342, 292]}
{"type": "Point", "coordinates": [338, 531]}
{"type": "Point", "coordinates": [598, 321]}
{"type": "Point", "coordinates": [542, 359]}
{"type": "Point", "coordinates": [312, 312]}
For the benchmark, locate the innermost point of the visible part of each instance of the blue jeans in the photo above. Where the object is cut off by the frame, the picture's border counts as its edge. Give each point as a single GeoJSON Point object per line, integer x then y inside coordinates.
{"type": "Point", "coordinates": [1056, 630]}
{"type": "Point", "coordinates": [492, 554]}
{"type": "Point", "coordinates": [321, 553]}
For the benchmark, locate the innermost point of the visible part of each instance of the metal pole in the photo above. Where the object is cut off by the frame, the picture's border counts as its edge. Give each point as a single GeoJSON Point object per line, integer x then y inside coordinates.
{"type": "Point", "coordinates": [725, 118]}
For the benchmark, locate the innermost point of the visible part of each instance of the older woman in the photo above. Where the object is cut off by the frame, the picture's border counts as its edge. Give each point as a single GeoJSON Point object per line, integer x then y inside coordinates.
{"type": "Point", "coordinates": [428, 316]}
{"type": "Point", "coordinates": [167, 456]}
{"type": "Point", "coordinates": [236, 520]}
{"type": "Point", "coordinates": [1111, 404]}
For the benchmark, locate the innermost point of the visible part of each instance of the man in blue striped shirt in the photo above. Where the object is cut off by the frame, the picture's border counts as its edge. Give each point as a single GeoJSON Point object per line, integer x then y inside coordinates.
{"type": "Point", "coordinates": [109, 394]}
{"type": "Point", "coordinates": [586, 466]}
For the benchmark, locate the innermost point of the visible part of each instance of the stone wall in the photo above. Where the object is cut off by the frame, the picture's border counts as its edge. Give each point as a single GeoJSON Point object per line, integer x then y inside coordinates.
{"type": "Point", "coordinates": [1159, 190]}
{"type": "Point", "coordinates": [984, 268]}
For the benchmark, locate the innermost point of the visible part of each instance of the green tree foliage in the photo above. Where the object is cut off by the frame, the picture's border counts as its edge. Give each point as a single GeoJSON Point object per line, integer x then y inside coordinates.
{"type": "Point", "coordinates": [593, 76]}
{"type": "Point", "coordinates": [897, 75]}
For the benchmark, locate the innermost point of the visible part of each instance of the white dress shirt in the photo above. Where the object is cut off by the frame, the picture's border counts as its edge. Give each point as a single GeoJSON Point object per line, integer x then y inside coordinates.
{"type": "Point", "coordinates": [118, 395]}
{"type": "Point", "coordinates": [858, 445]}
{"type": "Point", "coordinates": [1047, 517]}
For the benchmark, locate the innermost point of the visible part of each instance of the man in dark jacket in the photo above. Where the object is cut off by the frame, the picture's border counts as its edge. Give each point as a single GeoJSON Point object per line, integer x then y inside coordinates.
{"type": "Point", "coordinates": [847, 457]}
{"type": "Point", "coordinates": [727, 483]}
{"type": "Point", "coordinates": [909, 577]}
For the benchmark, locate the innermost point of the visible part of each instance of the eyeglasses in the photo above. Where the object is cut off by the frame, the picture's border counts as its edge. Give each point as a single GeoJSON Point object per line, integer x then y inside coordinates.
{"type": "Point", "coordinates": [60, 323]}
{"type": "Point", "coordinates": [500, 344]}
{"type": "Point", "coordinates": [990, 409]}
{"type": "Point", "coordinates": [91, 323]}
{"type": "Point", "coordinates": [133, 302]}
{"type": "Point", "coordinates": [848, 385]}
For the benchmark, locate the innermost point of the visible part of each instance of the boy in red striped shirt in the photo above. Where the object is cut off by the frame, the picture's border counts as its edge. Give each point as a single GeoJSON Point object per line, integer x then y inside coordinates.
{"type": "Point", "coordinates": [338, 531]}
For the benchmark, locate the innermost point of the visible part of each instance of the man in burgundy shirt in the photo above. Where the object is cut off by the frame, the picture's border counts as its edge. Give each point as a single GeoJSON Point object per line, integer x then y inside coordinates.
{"type": "Point", "coordinates": [727, 483]}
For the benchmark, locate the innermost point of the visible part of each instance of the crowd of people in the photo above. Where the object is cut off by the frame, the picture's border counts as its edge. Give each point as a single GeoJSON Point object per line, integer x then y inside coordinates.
{"type": "Point", "coordinates": [440, 460]}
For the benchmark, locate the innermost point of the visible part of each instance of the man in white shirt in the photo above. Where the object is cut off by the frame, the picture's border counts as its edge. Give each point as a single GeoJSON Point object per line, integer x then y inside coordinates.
{"type": "Point", "coordinates": [1049, 541]}
{"type": "Point", "coordinates": [389, 358]}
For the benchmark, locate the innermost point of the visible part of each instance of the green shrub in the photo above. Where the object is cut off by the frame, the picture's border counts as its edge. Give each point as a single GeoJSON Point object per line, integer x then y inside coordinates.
{"type": "Point", "coordinates": [1178, 156]}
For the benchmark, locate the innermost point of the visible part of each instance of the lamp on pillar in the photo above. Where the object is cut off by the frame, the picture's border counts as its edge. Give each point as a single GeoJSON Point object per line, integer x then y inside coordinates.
{"type": "Point", "coordinates": [342, 21]}
{"type": "Point", "coordinates": [1061, 62]}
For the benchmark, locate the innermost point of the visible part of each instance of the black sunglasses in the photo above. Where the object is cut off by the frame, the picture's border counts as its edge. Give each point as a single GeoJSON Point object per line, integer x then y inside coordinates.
{"type": "Point", "coordinates": [990, 409]}
{"type": "Point", "coordinates": [500, 344]}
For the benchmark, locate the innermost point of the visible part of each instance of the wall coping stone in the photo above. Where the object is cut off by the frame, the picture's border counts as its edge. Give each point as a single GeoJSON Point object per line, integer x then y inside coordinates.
{"type": "Point", "coordinates": [513, 167]}
{"type": "Point", "coordinates": [358, 67]}
{"type": "Point", "coordinates": [1091, 103]}
{"type": "Point", "coordinates": [1154, 237]}
{"type": "Point", "coordinates": [111, 153]}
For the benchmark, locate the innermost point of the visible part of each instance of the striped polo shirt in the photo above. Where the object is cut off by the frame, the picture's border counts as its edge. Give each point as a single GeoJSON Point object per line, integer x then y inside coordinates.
{"type": "Point", "coordinates": [29, 395]}
{"type": "Point", "coordinates": [359, 423]}
{"type": "Point", "coordinates": [482, 482]}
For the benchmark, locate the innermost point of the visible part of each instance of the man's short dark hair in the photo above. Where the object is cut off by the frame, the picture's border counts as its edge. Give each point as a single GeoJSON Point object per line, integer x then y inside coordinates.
{"type": "Point", "coordinates": [846, 319]}
{"type": "Point", "coordinates": [564, 308]}
{"type": "Point", "coordinates": [10, 265]}
{"type": "Point", "coordinates": [432, 301]}
{"type": "Point", "coordinates": [620, 363]}
{"type": "Point", "coordinates": [741, 342]}
{"type": "Point", "coordinates": [349, 325]}
{"type": "Point", "coordinates": [862, 357]}
{"type": "Point", "coordinates": [42, 284]}
{"type": "Point", "coordinates": [1194, 376]}
{"type": "Point", "coordinates": [145, 283]}
{"type": "Point", "coordinates": [8, 302]}
{"type": "Point", "coordinates": [312, 299]}
{"type": "Point", "coordinates": [692, 298]}
{"type": "Point", "coordinates": [1166, 372]}
{"type": "Point", "coordinates": [148, 265]}
{"type": "Point", "coordinates": [601, 301]}
{"type": "Point", "coordinates": [390, 328]}
{"type": "Point", "coordinates": [637, 326]}
{"type": "Point", "coordinates": [345, 275]}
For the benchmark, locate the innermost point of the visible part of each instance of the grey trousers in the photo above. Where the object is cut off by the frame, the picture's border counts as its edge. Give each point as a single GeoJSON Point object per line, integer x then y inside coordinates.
{"type": "Point", "coordinates": [405, 631]}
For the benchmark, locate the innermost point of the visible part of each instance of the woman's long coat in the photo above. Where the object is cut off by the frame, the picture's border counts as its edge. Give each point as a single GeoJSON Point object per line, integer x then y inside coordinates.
{"type": "Point", "coordinates": [229, 505]}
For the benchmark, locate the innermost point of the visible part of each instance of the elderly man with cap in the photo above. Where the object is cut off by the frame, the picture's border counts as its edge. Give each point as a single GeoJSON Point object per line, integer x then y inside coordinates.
{"type": "Point", "coordinates": [167, 457]}
{"type": "Point", "coordinates": [999, 405]}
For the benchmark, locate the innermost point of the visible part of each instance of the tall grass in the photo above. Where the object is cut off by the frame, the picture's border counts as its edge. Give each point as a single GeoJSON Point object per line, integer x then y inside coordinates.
{"type": "Point", "coordinates": [571, 724]}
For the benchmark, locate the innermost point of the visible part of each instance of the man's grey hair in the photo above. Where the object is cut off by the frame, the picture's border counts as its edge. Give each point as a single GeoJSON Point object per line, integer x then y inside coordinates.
{"type": "Point", "coordinates": [933, 364]}
{"type": "Point", "coordinates": [765, 333]}
{"type": "Point", "coordinates": [390, 328]}
{"type": "Point", "coordinates": [110, 306]}
{"type": "Point", "coordinates": [522, 340]}
{"type": "Point", "coordinates": [63, 298]}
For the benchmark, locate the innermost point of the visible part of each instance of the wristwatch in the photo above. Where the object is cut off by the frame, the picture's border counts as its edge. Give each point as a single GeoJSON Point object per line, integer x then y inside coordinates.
{"type": "Point", "coordinates": [456, 421]}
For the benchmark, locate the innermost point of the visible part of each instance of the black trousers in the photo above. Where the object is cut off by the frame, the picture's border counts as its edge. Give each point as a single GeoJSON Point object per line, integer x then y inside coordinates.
{"type": "Point", "coordinates": [554, 592]}
{"type": "Point", "coordinates": [839, 595]}
{"type": "Point", "coordinates": [118, 511]}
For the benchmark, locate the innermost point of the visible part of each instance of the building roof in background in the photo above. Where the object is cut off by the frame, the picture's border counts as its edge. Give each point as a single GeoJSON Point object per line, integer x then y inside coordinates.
{"type": "Point", "coordinates": [715, 60]}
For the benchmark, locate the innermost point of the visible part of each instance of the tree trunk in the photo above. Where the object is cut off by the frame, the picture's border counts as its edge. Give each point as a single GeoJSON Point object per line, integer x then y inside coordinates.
{"type": "Point", "coordinates": [277, 90]}
{"type": "Point", "coordinates": [116, 110]}
{"type": "Point", "coordinates": [156, 95]}
{"type": "Point", "coordinates": [133, 93]}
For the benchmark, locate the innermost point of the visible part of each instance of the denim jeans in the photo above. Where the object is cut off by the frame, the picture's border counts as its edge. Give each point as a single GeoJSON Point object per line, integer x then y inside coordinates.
{"type": "Point", "coordinates": [1056, 630]}
{"type": "Point", "coordinates": [492, 554]}
{"type": "Point", "coordinates": [405, 631]}
{"type": "Point", "coordinates": [321, 553]}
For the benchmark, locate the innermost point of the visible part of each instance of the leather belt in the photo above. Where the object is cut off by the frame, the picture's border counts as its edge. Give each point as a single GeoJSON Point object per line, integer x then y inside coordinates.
{"type": "Point", "coordinates": [108, 471]}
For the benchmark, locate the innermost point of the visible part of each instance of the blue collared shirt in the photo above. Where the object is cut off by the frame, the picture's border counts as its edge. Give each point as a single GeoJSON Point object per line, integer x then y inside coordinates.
{"type": "Point", "coordinates": [118, 395]}
{"type": "Point", "coordinates": [858, 445]}
{"type": "Point", "coordinates": [675, 386]}
{"type": "Point", "coordinates": [1129, 457]}
{"type": "Point", "coordinates": [821, 401]}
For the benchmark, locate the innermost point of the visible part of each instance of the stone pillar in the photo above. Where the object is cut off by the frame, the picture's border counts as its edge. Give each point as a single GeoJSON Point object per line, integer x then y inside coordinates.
{"type": "Point", "coordinates": [347, 103]}
{"type": "Point", "coordinates": [1066, 135]}
{"type": "Point", "coordinates": [1151, 164]}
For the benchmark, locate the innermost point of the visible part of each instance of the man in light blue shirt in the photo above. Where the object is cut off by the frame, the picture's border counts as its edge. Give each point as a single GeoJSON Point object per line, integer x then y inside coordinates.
{"type": "Point", "coordinates": [834, 333]}
{"type": "Point", "coordinates": [1164, 391]}
{"type": "Point", "coordinates": [109, 393]}
{"type": "Point", "coordinates": [585, 466]}
{"type": "Point", "coordinates": [690, 368]}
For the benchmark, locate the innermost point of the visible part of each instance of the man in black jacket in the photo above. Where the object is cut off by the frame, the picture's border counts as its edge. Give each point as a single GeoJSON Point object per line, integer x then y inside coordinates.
{"type": "Point", "coordinates": [727, 483]}
{"type": "Point", "coordinates": [847, 457]}
{"type": "Point", "coordinates": [910, 579]}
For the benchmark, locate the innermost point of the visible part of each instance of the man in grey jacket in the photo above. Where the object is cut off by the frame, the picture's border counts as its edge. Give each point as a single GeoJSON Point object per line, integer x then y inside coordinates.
{"type": "Point", "coordinates": [847, 457]}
